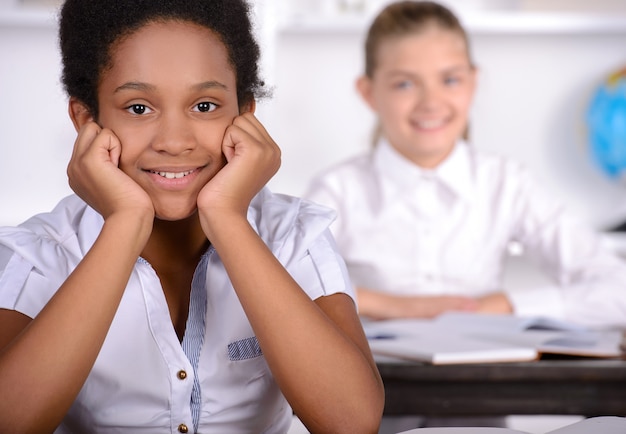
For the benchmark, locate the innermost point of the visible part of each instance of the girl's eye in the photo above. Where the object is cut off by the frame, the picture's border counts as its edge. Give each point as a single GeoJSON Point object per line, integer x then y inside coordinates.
{"type": "Point", "coordinates": [138, 109]}
{"type": "Point", "coordinates": [405, 84]}
{"type": "Point", "coordinates": [451, 80]}
{"type": "Point", "coordinates": [205, 107]}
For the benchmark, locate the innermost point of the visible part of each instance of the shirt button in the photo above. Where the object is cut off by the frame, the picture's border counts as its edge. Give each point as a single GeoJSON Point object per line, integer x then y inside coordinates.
{"type": "Point", "coordinates": [182, 375]}
{"type": "Point", "coordinates": [183, 428]}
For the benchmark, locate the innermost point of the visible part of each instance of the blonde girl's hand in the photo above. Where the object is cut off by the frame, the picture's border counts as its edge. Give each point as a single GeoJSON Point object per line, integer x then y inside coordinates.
{"type": "Point", "coordinates": [497, 303]}
{"type": "Point", "coordinates": [252, 159]}
{"type": "Point", "coordinates": [94, 175]}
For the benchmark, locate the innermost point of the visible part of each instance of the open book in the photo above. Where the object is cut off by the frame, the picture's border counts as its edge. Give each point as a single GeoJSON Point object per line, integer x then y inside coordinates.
{"type": "Point", "coordinates": [594, 425]}
{"type": "Point", "coordinates": [476, 338]}
{"type": "Point", "coordinates": [548, 336]}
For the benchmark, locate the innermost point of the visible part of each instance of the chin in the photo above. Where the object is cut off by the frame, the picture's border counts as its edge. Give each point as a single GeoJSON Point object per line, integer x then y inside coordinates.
{"type": "Point", "coordinates": [175, 213]}
{"type": "Point", "coordinates": [169, 218]}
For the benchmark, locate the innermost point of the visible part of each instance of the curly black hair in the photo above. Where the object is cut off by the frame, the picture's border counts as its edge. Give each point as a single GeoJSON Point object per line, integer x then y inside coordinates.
{"type": "Point", "coordinates": [88, 30]}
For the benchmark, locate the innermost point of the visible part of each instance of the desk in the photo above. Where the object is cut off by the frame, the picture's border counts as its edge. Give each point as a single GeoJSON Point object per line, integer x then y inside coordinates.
{"type": "Point", "coordinates": [588, 387]}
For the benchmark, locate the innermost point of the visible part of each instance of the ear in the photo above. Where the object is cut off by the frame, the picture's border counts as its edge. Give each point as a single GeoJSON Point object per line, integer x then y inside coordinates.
{"type": "Point", "coordinates": [79, 113]}
{"type": "Point", "coordinates": [364, 87]}
{"type": "Point", "coordinates": [248, 107]}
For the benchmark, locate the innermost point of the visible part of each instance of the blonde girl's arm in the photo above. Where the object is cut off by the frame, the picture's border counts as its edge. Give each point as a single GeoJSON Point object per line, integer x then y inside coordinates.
{"type": "Point", "coordinates": [382, 305]}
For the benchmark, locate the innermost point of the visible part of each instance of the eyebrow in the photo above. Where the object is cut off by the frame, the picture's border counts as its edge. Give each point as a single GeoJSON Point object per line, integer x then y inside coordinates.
{"type": "Point", "coordinates": [408, 73]}
{"type": "Point", "coordinates": [459, 68]}
{"type": "Point", "coordinates": [134, 85]}
{"type": "Point", "coordinates": [212, 84]}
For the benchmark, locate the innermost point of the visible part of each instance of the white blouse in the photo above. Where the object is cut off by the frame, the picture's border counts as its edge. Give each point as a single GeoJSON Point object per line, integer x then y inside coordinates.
{"type": "Point", "coordinates": [405, 230]}
{"type": "Point", "coordinates": [143, 379]}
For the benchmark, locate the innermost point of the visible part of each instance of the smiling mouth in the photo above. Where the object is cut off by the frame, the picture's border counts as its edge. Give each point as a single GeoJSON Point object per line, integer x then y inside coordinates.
{"type": "Point", "coordinates": [430, 124]}
{"type": "Point", "coordinates": [172, 175]}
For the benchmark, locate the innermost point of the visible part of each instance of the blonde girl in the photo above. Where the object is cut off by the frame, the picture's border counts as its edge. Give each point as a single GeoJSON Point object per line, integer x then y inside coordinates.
{"type": "Point", "coordinates": [424, 220]}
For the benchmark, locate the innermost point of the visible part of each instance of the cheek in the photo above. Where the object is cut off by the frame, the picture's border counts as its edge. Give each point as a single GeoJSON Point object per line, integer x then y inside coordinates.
{"type": "Point", "coordinates": [129, 160]}
{"type": "Point", "coordinates": [133, 144]}
{"type": "Point", "coordinates": [463, 101]}
{"type": "Point", "coordinates": [129, 134]}
{"type": "Point", "coordinates": [396, 113]}
{"type": "Point", "coordinates": [463, 107]}
{"type": "Point", "coordinates": [390, 104]}
{"type": "Point", "coordinates": [385, 99]}
{"type": "Point", "coordinates": [211, 139]}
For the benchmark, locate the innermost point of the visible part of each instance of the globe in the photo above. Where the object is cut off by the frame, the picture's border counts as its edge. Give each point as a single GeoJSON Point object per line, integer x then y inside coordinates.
{"type": "Point", "coordinates": [606, 121]}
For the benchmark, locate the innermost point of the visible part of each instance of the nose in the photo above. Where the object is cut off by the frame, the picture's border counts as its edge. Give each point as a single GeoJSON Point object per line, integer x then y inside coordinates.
{"type": "Point", "coordinates": [174, 134]}
{"type": "Point", "coordinates": [430, 96]}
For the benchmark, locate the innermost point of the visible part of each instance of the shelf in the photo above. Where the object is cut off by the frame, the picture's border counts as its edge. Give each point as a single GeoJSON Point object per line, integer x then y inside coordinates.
{"type": "Point", "coordinates": [545, 23]}
{"type": "Point", "coordinates": [476, 22]}
{"type": "Point", "coordinates": [483, 22]}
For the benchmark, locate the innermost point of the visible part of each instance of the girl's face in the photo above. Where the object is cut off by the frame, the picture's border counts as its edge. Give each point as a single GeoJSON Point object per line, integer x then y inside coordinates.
{"type": "Point", "coordinates": [422, 90]}
{"type": "Point", "coordinates": [169, 97]}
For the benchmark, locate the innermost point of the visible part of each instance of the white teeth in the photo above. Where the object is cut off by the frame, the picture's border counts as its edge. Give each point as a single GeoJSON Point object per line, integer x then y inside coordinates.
{"type": "Point", "coordinates": [173, 175]}
{"type": "Point", "coordinates": [430, 124]}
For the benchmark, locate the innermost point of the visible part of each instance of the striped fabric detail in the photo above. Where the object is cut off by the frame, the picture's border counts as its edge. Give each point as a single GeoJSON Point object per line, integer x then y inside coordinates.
{"type": "Point", "coordinates": [194, 331]}
{"type": "Point", "coordinates": [244, 349]}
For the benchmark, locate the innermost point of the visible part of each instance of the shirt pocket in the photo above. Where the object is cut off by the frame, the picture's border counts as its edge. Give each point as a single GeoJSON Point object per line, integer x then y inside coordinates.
{"type": "Point", "coordinates": [244, 349]}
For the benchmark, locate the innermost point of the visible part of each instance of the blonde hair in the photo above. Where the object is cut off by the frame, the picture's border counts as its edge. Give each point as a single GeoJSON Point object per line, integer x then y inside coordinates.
{"type": "Point", "coordinates": [404, 18]}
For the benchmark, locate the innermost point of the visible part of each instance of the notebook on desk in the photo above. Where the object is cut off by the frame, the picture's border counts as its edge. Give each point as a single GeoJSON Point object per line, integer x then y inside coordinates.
{"type": "Point", "coordinates": [439, 349]}
{"type": "Point", "coordinates": [426, 341]}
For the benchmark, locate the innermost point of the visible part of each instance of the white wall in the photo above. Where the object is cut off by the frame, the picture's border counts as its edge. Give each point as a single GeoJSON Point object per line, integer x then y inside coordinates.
{"type": "Point", "coordinates": [36, 135]}
{"type": "Point", "coordinates": [534, 87]}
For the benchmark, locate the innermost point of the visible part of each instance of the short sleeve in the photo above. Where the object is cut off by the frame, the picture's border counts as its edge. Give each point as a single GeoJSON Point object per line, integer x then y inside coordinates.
{"type": "Point", "coordinates": [15, 272]}
{"type": "Point", "coordinates": [297, 232]}
{"type": "Point", "coordinates": [5, 257]}
{"type": "Point", "coordinates": [322, 271]}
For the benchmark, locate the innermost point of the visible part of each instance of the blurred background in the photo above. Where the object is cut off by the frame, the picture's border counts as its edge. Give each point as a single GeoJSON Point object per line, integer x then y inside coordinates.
{"type": "Point", "coordinates": [540, 61]}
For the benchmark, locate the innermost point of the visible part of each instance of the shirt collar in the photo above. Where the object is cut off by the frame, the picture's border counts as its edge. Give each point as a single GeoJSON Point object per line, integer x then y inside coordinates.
{"type": "Point", "coordinates": [455, 172]}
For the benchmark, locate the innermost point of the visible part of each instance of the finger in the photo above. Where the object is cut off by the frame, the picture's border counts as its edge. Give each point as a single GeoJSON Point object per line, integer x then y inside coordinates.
{"type": "Point", "coordinates": [86, 135]}
{"type": "Point", "coordinates": [247, 135]}
{"type": "Point", "coordinates": [228, 144]}
{"type": "Point", "coordinates": [255, 127]}
{"type": "Point", "coordinates": [106, 146]}
{"type": "Point", "coordinates": [239, 133]}
{"type": "Point", "coordinates": [94, 147]}
{"type": "Point", "coordinates": [114, 148]}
